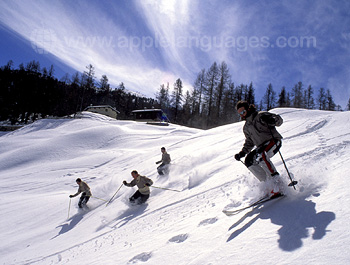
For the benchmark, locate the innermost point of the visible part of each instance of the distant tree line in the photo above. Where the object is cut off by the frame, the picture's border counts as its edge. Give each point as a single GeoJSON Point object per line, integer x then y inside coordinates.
{"type": "Point", "coordinates": [213, 97]}
{"type": "Point", "coordinates": [31, 92]}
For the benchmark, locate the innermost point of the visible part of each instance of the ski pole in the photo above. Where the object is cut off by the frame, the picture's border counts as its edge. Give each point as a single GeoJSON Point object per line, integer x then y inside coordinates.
{"type": "Point", "coordinates": [98, 198]}
{"type": "Point", "coordinates": [165, 189]}
{"type": "Point", "coordinates": [70, 200]}
{"type": "Point", "coordinates": [292, 182]}
{"type": "Point", "coordinates": [114, 195]}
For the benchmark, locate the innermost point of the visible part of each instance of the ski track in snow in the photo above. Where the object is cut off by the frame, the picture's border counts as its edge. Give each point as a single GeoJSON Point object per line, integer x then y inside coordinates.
{"type": "Point", "coordinates": [315, 147]}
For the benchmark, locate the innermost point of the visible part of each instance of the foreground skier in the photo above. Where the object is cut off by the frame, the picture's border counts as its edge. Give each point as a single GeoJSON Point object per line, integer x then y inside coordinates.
{"type": "Point", "coordinates": [260, 132]}
{"type": "Point", "coordinates": [143, 183]}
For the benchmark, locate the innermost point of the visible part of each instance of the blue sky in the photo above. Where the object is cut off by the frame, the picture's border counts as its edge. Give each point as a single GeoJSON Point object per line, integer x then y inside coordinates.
{"type": "Point", "coordinates": [148, 43]}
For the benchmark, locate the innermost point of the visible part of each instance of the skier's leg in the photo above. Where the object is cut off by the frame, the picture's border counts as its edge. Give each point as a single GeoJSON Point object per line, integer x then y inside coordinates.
{"type": "Point", "coordinates": [143, 198]}
{"type": "Point", "coordinates": [134, 197]}
{"type": "Point", "coordinates": [166, 169]}
{"type": "Point", "coordinates": [86, 199]}
{"type": "Point", "coordinates": [264, 161]}
{"type": "Point", "coordinates": [253, 166]}
{"type": "Point", "coordinates": [160, 169]}
{"type": "Point", "coordinates": [83, 200]}
{"type": "Point", "coordinates": [80, 203]}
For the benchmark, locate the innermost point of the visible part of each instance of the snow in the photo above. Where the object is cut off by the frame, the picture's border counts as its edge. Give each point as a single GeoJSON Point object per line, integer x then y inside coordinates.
{"type": "Point", "coordinates": [40, 162]}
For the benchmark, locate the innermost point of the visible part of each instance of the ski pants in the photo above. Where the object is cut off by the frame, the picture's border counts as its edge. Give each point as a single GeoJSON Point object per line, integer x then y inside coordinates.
{"type": "Point", "coordinates": [139, 198]}
{"type": "Point", "coordinates": [83, 200]}
{"type": "Point", "coordinates": [163, 169]}
{"type": "Point", "coordinates": [258, 160]}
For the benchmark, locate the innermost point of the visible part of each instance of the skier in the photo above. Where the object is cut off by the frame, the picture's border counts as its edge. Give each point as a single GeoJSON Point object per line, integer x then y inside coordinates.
{"type": "Point", "coordinates": [163, 168]}
{"type": "Point", "coordinates": [143, 183]}
{"type": "Point", "coordinates": [260, 132]}
{"type": "Point", "coordinates": [85, 190]}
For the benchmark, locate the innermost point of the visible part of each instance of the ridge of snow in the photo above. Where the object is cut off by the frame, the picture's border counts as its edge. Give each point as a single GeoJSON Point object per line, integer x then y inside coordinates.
{"type": "Point", "coordinates": [40, 162]}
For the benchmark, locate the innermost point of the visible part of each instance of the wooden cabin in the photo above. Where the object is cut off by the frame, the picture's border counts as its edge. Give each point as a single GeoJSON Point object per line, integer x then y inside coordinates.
{"type": "Point", "coordinates": [104, 109]}
{"type": "Point", "coordinates": [151, 116]}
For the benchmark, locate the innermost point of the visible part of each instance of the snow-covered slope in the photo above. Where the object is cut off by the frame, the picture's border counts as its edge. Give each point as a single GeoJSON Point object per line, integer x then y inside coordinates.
{"type": "Point", "coordinates": [40, 162]}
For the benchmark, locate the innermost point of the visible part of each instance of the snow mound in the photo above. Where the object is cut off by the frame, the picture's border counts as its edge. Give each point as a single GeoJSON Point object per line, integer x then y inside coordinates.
{"type": "Point", "coordinates": [41, 225]}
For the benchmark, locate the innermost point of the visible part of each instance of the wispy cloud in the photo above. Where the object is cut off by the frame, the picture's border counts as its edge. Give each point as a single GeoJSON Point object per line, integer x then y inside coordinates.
{"type": "Point", "coordinates": [86, 36]}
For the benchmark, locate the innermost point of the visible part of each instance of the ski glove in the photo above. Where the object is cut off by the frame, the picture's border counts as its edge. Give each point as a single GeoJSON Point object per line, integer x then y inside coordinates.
{"type": "Point", "coordinates": [269, 120]}
{"type": "Point", "coordinates": [147, 184]}
{"type": "Point", "coordinates": [124, 182]}
{"type": "Point", "coordinates": [239, 155]}
{"type": "Point", "coordinates": [71, 196]}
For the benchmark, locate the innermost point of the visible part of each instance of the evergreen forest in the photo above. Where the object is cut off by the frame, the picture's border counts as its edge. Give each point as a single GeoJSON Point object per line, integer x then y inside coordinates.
{"type": "Point", "coordinates": [30, 92]}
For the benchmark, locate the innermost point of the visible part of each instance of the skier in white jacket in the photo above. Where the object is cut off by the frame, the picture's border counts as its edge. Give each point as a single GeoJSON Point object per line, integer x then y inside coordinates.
{"type": "Point", "coordinates": [143, 183]}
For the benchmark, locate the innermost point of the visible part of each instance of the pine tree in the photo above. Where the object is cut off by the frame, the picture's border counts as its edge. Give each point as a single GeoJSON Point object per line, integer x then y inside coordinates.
{"type": "Point", "coordinates": [261, 106]}
{"type": "Point", "coordinates": [329, 101]}
{"type": "Point", "coordinates": [211, 82]}
{"type": "Point", "coordinates": [163, 98]}
{"type": "Point", "coordinates": [176, 98]}
{"type": "Point", "coordinates": [239, 92]}
{"type": "Point", "coordinates": [289, 101]}
{"type": "Point", "coordinates": [223, 82]}
{"type": "Point", "coordinates": [269, 97]}
{"type": "Point", "coordinates": [33, 67]}
{"type": "Point", "coordinates": [321, 99]}
{"type": "Point", "coordinates": [187, 109]}
{"type": "Point", "coordinates": [309, 100]}
{"type": "Point", "coordinates": [282, 98]}
{"type": "Point", "coordinates": [229, 106]}
{"type": "Point", "coordinates": [51, 71]}
{"type": "Point", "coordinates": [250, 96]}
{"type": "Point", "coordinates": [104, 86]}
{"type": "Point", "coordinates": [103, 90]}
{"type": "Point", "coordinates": [297, 93]}
{"type": "Point", "coordinates": [89, 77]}
{"type": "Point", "coordinates": [198, 92]}
{"type": "Point", "coordinates": [8, 66]}
{"type": "Point", "coordinates": [88, 86]}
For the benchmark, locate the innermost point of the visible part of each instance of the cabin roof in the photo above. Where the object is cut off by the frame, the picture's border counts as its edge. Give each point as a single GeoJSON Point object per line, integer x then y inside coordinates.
{"type": "Point", "coordinates": [101, 106]}
{"type": "Point", "coordinates": [146, 110]}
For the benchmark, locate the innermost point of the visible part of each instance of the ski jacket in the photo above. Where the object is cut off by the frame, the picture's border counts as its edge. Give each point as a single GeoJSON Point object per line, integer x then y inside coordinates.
{"type": "Point", "coordinates": [83, 187]}
{"type": "Point", "coordinates": [257, 132]}
{"type": "Point", "coordinates": [165, 158]}
{"type": "Point", "coordinates": [141, 181]}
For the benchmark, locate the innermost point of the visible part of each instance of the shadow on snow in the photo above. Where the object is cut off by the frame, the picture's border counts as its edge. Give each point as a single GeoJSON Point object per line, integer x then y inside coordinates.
{"type": "Point", "coordinates": [74, 220]}
{"type": "Point", "coordinates": [294, 217]}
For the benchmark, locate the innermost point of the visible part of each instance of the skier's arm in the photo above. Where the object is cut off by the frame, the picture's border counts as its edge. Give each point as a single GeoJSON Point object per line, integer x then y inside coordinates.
{"type": "Point", "coordinates": [149, 182]}
{"type": "Point", "coordinates": [271, 119]}
{"type": "Point", "coordinates": [76, 194]}
{"type": "Point", "coordinates": [248, 145]}
{"type": "Point", "coordinates": [131, 184]}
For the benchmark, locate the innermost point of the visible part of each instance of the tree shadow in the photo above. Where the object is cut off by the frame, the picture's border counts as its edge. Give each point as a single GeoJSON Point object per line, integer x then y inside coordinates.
{"type": "Point", "coordinates": [296, 218]}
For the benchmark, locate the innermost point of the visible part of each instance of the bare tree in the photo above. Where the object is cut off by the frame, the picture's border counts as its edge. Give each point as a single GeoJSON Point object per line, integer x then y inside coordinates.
{"type": "Point", "coordinates": [211, 83]}
{"type": "Point", "coordinates": [222, 86]}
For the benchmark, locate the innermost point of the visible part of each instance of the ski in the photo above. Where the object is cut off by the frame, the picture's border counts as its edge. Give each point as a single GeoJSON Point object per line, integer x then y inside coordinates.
{"type": "Point", "coordinates": [257, 203]}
